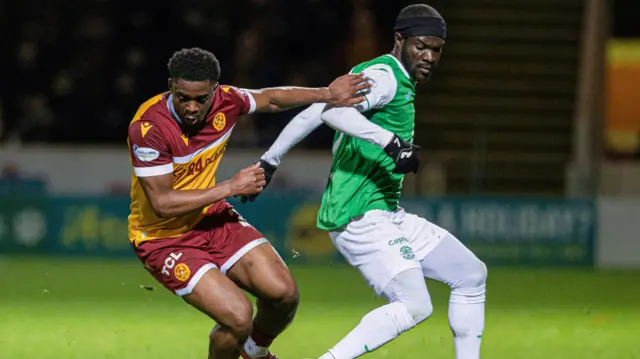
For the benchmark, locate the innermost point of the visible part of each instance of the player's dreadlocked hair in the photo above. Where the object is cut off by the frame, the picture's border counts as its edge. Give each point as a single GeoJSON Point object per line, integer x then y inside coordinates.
{"type": "Point", "coordinates": [418, 10]}
{"type": "Point", "coordinates": [194, 64]}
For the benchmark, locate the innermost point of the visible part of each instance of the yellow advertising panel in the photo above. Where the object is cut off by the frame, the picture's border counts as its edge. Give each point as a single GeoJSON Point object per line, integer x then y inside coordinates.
{"type": "Point", "coordinates": [623, 96]}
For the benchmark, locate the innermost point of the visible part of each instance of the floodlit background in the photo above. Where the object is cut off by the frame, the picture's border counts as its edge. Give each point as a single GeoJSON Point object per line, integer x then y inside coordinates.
{"type": "Point", "coordinates": [531, 135]}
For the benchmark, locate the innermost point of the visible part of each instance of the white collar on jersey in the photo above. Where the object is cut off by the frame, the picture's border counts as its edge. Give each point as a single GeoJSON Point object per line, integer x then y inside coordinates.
{"type": "Point", "coordinates": [401, 66]}
{"type": "Point", "coordinates": [172, 110]}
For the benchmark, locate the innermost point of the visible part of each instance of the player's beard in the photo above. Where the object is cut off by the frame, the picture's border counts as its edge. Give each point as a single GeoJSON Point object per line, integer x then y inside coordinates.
{"type": "Point", "coordinates": [408, 63]}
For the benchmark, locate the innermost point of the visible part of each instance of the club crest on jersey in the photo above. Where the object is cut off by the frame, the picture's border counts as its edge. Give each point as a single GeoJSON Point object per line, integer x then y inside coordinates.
{"type": "Point", "coordinates": [407, 253]}
{"type": "Point", "coordinates": [182, 272]}
{"type": "Point", "coordinates": [219, 121]}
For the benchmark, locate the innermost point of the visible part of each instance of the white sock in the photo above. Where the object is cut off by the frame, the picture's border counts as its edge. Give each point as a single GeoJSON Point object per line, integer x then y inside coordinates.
{"type": "Point", "coordinates": [375, 329]}
{"type": "Point", "coordinates": [254, 350]}
{"type": "Point", "coordinates": [327, 356]}
{"type": "Point", "coordinates": [466, 318]}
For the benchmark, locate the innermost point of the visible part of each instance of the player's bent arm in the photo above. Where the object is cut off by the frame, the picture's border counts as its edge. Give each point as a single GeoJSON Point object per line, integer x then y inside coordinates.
{"type": "Point", "coordinates": [168, 202]}
{"type": "Point", "coordinates": [349, 121]}
{"type": "Point", "coordinates": [296, 130]}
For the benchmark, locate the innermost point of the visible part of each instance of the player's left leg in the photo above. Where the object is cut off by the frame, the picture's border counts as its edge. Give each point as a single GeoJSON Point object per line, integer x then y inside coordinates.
{"type": "Point", "coordinates": [376, 246]}
{"type": "Point", "coordinates": [445, 259]}
{"type": "Point", "coordinates": [248, 259]}
{"type": "Point", "coordinates": [262, 273]}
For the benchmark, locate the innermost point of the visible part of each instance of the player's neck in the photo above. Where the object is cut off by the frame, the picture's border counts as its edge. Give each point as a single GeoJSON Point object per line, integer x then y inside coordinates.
{"type": "Point", "coordinates": [395, 52]}
{"type": "Point", "coordinates": [192, 130]}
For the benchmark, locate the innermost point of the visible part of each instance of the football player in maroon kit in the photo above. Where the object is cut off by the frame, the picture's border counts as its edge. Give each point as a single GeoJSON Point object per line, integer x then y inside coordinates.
{"type": "Point", "coordinates": [181, 227]}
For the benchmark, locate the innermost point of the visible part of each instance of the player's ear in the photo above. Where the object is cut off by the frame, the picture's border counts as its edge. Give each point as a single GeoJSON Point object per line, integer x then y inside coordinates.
{"type": "Point", "coordinates": [169, 83]}
{"type": "Point", "coordinates": [397, 38]}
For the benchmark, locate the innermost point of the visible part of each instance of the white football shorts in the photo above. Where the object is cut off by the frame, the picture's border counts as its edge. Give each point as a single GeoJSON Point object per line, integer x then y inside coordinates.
{"type": "Point", "coordinates": [382, 244]}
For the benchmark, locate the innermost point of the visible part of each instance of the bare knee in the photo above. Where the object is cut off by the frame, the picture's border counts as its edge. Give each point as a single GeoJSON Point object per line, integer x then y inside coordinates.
{"type": "Point", "coordinates": [238, 319]}
{"type": "Point", "coordinates": [289, 294]}
{"type": "Point", "coordinates": [230, 334]}
{"type": "Point", "coordinates": [284, 294]}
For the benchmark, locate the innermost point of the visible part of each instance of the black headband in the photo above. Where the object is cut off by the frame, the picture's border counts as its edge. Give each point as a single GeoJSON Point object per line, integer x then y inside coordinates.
{"type": "Point", "coordinates": [421, 26]}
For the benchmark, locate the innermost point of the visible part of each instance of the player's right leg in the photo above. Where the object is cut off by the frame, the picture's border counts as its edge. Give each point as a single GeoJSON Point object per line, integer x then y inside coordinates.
{"type": "Point", "coordinates": [444, 258]}
{"type": "Point", "coordinates": [375, 245]}
{"type": "Point", "coordinates": [218, 297]}
{"type": "Point", "coordinates": [452, 263]}
{"type": "Point", "coordinates": [184, 268]}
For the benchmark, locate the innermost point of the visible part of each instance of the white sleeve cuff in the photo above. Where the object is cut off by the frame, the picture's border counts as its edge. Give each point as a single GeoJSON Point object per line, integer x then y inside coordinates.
{"type": "Point", "coordinates": [252, 101]}
{"type": "Point", "coordinates": [153, 171]}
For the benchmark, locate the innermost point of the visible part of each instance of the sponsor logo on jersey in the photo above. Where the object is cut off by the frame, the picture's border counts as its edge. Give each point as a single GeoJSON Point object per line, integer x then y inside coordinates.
{"type": "Point", "coordinates": [393, 242]}
{"type": "Point", "coordinates": [199, 164]}
{"type": "Point", "coordinates": [219, 121]}
{"type": "Point", "coordinates": [145, 154]}
{"type": "Point", "coordinates": [170, 262]}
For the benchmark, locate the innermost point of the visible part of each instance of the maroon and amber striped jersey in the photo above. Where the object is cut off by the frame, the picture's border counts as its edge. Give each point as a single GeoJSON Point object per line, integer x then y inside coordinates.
{"type": "Point", "coordinates": [157, 146]}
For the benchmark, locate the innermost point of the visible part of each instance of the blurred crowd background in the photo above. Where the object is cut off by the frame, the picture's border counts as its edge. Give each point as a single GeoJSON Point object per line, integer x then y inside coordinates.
{"type": "Point", "coordinates": [78, 70]}
{"type": "Point", "coordinates": [501, 114]}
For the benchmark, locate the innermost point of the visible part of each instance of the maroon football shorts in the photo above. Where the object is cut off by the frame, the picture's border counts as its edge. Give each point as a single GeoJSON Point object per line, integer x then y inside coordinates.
{"type": "Point", "coordinates": [219, 240]}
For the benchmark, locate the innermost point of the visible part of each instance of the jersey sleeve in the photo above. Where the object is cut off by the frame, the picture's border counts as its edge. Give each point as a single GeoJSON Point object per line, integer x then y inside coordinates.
{"type": "Point", "coordinates": [149, 151]}
{"type": "Point", "coordinates": [383, 90]}
{"type": "Point", "coordinates": [242, 99]}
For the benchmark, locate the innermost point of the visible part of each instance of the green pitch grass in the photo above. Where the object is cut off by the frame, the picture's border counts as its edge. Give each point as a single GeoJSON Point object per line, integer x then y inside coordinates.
{"type": "Point", "coordinates": [97, 309]}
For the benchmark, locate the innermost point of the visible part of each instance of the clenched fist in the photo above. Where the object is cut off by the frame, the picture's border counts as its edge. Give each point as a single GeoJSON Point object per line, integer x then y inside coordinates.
{"type": "Point", "coordinates": [248, 181]}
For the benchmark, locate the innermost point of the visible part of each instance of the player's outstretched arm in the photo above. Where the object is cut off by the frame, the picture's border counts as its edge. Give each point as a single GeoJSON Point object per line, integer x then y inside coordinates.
{"type": "Point", "coordinates": [355, 124]}
{"type": "Point", "coordinates": [341, 92]}
{"type": "Point", "coordinates": [168, 202]}
{"type": "Point", "coordinates": [296, 130]}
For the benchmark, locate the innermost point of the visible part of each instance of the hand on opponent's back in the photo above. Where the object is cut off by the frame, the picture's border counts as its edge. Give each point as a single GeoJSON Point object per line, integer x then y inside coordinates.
{"type": "Point", "coordinates": [348, 90]}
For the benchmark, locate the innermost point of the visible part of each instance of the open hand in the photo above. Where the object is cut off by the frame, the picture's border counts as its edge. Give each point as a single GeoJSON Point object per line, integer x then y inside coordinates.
{"type": "Point", "coordinates": [348, 90]}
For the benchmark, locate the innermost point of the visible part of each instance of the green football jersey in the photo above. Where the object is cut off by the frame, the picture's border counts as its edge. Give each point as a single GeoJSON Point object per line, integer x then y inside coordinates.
{"type": "Point", "coordinates": [362, 177]}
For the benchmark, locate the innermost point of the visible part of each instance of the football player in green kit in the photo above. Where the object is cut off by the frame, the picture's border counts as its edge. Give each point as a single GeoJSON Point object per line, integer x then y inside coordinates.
{"type": "Point", "coordinates": [372, 151]}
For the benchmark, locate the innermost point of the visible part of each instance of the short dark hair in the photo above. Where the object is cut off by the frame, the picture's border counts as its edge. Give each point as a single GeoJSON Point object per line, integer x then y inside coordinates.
{"type": "Point", "coordinates": [194, 64]}
{"type": "Point", "coordinates": [418, 10]}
